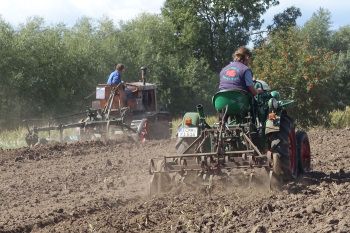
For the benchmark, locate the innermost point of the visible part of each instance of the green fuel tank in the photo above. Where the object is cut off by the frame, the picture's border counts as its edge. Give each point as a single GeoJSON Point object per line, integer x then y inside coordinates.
{"type": "Point", "coordinates": [237, 102]}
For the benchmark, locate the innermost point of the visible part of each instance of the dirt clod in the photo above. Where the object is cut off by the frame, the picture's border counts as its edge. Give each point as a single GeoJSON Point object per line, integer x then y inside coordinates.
{"type": "Point", "coordinates": [259, 229]}
{"type": "Point", "coordinates": [108, 163]}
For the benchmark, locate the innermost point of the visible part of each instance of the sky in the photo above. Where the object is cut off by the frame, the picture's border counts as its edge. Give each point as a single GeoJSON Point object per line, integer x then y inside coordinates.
{"type": "Point", "coordinates": [69, 11]}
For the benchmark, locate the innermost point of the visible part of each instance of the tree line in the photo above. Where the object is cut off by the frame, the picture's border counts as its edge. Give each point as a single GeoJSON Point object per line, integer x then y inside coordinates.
{"type": "Point", "coordinates": [50, 70]}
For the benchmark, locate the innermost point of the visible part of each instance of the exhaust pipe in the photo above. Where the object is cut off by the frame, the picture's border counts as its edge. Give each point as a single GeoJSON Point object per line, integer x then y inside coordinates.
{"type": "Point", "coordinates": [143, 74]}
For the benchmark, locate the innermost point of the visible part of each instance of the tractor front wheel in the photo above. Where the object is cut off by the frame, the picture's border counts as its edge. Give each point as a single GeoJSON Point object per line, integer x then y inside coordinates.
{"type": "Point", "coordinates": [143, 130]}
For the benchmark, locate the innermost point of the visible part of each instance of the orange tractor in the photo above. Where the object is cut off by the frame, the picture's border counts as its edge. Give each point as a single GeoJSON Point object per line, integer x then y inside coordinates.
{"type": "Point", "coordinates": [112, 114]}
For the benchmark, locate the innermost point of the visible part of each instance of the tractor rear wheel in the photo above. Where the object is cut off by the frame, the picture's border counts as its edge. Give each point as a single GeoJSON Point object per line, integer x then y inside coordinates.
{"type": "Point", "coordinates": [284, 149]}
{"type": "Point", "coordinates": [303, 151]}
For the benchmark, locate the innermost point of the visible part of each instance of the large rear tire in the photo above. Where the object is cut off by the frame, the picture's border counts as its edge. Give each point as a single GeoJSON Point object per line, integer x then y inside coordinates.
{"type": "Point", "coordinates": [283, 145]}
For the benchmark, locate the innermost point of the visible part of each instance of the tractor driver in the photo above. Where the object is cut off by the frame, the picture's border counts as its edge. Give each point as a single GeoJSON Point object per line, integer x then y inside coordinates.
{"type": "Point", "coordinates": [237, 75]}
{"type": "Point", "coordinates": [115, 78]}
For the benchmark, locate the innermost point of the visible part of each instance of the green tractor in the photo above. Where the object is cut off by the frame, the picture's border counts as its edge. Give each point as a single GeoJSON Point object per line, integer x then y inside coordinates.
{"type": "Point", "coordinates": [251, 132]}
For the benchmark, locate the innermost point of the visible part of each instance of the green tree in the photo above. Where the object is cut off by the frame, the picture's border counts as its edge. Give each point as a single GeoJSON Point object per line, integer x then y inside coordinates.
{"type": "Point", "coordinates": [317, 29]}
{"type": "Point", "coordinates": [183, 80]}
{"type": "Point", "coordinates": [287, 59]}
{"type": "Point", "coordinates": [213, 29]}
{"type": "Point", "coordinates": [8, 55]}
{"type": "Point", "coordinates": [281, 21]}
{"type": "Point", "coordinates": [341, 80]}
{"type": "Point", "coordinates": [39, 78]}
{"type": "Point", "coordinates": [340, 41]}
{"type": "Point", "coordinates": [57, 67]}
{"type": "Point", "coordinates": [285, 19]}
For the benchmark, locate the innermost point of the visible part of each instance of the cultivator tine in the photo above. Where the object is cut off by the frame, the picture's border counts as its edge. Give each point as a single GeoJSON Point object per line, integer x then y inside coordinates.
{"type": "Point", "coordinates": [210, 184]}
{"type": "Point", "coordinates": [270, 180]}
{"type": "Point", "coordinates": [204, 176]}
{"type": "Point", "coordinates": [151, 167]}
{"type": "Point", "coordinates": [182, 177]}
{"type": "Point", "coordinates": [250, 178]}
{"type": "Point", "coordinates": [152, 190]}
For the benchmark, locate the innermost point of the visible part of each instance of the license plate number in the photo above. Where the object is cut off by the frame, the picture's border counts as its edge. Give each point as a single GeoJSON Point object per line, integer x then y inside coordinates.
{"type": "Point", "coordinates": [187, 132]}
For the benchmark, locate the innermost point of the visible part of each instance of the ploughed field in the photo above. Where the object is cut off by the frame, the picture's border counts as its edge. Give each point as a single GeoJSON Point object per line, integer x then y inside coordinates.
{"type": "Point", "coordinates": [102, 187]}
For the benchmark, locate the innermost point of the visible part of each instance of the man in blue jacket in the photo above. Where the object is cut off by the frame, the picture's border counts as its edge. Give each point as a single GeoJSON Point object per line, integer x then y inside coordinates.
{"type": "Point", "coordinates": [116, 76]}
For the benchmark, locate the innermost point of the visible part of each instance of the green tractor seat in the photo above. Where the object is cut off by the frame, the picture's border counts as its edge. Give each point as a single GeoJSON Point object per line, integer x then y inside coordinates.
{"type": "Point", "coordinates": [237, 101]}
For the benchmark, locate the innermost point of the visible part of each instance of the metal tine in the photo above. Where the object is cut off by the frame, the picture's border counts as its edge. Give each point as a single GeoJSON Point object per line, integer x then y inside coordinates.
{"type": "Point", "coordinates": [209, 187]}
{"type": "Point", "coordinates": [183, 176]}
{"type": "Point", "coordinates": [210, 181]}
{"type": "Point", "coordinates": [251, 178]}
{"type": "Point", "coordinates": [270, 180]}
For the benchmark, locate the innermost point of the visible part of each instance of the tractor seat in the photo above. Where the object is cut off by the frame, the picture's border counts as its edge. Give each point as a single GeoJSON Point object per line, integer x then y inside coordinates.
{"type": "Point", "coordinates": [237, 102]}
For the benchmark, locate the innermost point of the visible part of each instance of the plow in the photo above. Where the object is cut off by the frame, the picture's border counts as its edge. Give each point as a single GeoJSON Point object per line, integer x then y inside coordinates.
{"type": "Point", "coordinates": [250, 133]}
{"type": "Point", "coordinates": [111, 114]}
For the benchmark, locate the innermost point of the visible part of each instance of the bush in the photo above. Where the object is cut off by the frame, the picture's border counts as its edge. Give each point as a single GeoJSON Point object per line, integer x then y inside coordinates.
{"type": "Point", "coordinates": [13, 139]}
{"type": "Point", "coordinates": [340, 119]}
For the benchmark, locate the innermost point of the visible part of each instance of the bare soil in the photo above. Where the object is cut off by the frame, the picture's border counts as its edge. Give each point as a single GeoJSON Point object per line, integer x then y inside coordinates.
{"type": "Point", "coordinates": [102, 187]}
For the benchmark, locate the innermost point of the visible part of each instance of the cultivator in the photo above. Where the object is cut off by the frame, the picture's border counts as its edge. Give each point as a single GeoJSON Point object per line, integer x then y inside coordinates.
{"type": "Point", "coordinates": [113, 114]}
{"type": "Point", "coordinates": [96, 122]}
{"type": "Point", "coordinates": [250, 134]}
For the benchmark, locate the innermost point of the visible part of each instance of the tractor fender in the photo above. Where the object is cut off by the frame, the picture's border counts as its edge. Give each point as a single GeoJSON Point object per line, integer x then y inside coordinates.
{"type": "Point", "coordinates": [190, 119]}
{"type": "Point", "coordinates": [194, 116]}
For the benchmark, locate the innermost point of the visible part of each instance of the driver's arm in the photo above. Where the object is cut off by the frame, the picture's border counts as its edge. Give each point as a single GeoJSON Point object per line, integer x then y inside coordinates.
{"type": "Point", "coordinates": [248, 77]}
{"type": "Point", "coordinates": [254, 91]}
